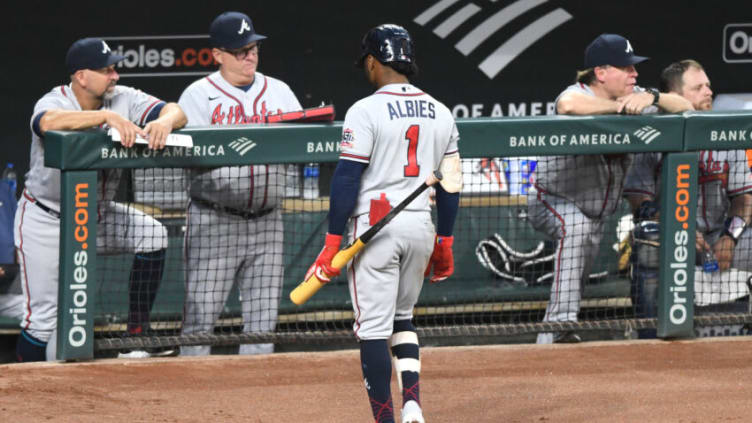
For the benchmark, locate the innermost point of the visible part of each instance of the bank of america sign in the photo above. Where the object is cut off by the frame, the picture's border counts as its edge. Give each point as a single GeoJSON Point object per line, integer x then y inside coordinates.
{"type": "Point", "coordinates": [510, 48]}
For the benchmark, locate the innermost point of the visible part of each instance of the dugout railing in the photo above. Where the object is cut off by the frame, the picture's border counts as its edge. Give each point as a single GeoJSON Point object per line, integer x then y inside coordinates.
{"type": "Point", "coordinates": [474, 302]}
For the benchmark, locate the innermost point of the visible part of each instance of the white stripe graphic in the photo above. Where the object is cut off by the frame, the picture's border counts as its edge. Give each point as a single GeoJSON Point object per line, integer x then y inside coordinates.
{"type": "Point", "coordinates": [456, 20]}
{"type": "Point", "coordinates": [647, 141]}
{"type": "Point", "coordinates": [648, 133]}
{"type": "Point", "coordinates": [434, 10]}
{"type": "Point", "coordinates": [493, 24]}
{"type": "Point", "coordinates": [244, 150]}
{"type": "Point", "coordinates": [508, 51]}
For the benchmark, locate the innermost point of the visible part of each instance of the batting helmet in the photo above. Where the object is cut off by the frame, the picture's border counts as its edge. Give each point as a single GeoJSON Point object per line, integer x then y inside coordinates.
{"type": "Point", "coordinates": [388, 43]}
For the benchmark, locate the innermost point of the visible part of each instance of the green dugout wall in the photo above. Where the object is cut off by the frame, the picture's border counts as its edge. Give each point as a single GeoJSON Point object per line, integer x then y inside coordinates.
{"type": "Point", "coordinates": [79, 154]}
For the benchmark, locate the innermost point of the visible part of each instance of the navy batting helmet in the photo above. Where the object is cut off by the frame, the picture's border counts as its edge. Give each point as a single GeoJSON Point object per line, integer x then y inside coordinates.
{"type": "Point", "coordinates": [388, 43]}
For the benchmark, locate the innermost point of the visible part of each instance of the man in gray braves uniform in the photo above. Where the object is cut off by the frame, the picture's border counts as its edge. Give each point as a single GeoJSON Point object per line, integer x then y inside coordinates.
{"type": "Point", "coordinates": [234, 231]}
{"type": "Point", "coordinates": [391, 142]}
{"type": "Point", "coordinates": [576, 193]}
{"type": "Point", "coordinates": [724, 205]}
{"type": "Point", "coordinates": [92, 99]}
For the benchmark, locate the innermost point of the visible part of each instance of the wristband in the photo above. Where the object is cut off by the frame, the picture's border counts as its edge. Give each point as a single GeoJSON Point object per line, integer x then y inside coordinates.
{"type": "Point", "coordinates": [734, 227]}
{"type": "Point", "coordinates": [444, 241]}
{"type": "Point", "coordinates": [656, 95]}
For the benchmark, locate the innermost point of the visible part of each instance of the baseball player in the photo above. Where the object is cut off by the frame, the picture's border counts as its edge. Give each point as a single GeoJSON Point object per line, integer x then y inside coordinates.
{"type": "Point", "coordinates": [724, 206]}
{"type": "Point", "coordinates": [576, 193]}
{"type": "Point", "coordinates": [92, 99]}
{"type": "Point", "coordinates": [234, 231]}
{"type": "Point", "coordinates": [391, 141]}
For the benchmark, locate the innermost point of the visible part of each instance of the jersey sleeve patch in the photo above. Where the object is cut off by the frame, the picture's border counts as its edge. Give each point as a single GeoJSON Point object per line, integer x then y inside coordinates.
{"type": "Point", "coordinates": [348, 139]}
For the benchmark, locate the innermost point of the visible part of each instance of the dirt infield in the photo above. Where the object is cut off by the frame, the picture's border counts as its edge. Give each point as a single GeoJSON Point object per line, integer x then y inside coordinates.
{"type": "Point", "coordinates": [633, 381]}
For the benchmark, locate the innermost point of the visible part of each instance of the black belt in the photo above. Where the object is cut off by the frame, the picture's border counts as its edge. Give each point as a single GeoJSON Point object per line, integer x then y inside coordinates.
{"type": "Point", "coordinates": [235, 212]}
{"type": "Point", "coordinates": [53, 213]}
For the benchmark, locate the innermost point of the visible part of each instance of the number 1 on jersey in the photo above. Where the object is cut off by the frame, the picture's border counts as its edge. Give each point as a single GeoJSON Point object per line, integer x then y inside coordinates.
{"type": "Point", "coordinates": [412, 168]}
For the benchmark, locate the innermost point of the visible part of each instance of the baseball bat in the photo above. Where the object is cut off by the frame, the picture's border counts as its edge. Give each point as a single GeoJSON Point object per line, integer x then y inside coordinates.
{"type": "Point", "coordinates": [305, 290]}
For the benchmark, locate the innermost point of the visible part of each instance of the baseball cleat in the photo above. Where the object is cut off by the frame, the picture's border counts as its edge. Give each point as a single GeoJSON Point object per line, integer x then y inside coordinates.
{"type": "Point", "coordinates": [411, 413]}
{"type": "Point", "coordinates": [134, 354]}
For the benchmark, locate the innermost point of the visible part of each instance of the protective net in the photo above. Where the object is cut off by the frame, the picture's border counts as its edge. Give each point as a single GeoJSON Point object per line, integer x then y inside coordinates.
{"type": "Point", "coordinates": [208, 257]}
{"type": "Point", "coordinates": [722, 256]}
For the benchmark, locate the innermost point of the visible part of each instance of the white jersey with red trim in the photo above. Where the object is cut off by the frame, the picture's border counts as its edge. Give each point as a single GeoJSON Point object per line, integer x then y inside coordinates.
{"type": "Point", "coordinates": [242, 251]}
{"type": "Point", "coordinates": [214, 101]}
{"type": "Point", "coordinates": [722, 175]}
{"type": "Point", "coordinates": [402, 134]}
{"type": "Point", "coordinates": [44, 182]}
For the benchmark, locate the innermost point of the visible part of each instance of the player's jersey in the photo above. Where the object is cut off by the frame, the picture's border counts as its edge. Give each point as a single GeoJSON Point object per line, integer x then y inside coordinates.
{"type": "Point", "coordinates": [581, 88]}
{"type": "Point", "coordinates": [44, 182]}
{"type": "Point", "coordinates": [214, 101]}
{"type": "Point", "coordinates": [402, 134]}
{"type": "Point", "coordinates": [593, 182]}
{"type": "Point", "coordinates": [722, 175]}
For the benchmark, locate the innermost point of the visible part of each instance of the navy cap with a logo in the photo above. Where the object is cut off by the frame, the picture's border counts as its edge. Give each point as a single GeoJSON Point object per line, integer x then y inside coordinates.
{"type": "Point", "coordinates": [611, 49]}
{"type": "Point", "coordinates": [90, 53]}
{"type": "Point", "coordinates": [232, 30]}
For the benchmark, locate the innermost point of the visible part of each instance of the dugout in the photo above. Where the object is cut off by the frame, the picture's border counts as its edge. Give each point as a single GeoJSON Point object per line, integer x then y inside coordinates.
{"type": "Point", "coordinates": [473, 303]}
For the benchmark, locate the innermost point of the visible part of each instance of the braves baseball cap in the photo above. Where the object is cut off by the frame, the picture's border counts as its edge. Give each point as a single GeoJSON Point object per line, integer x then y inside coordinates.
{"type": "Point", "coordinates": [232, 30]}
{"type": "Point", "coordinates": [611, 49]}
{"type": "Point", "coordinates": [90, 53]}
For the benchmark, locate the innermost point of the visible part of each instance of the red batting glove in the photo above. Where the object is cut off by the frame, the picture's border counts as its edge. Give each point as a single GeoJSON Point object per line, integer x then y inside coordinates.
{"type": "Point", "coordinates": [322, 267]}
{"type": "Point", "coordinates": [442, 259]}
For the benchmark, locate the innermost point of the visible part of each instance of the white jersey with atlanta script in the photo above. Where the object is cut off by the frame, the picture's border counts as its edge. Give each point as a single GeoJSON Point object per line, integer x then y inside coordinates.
{"type": "Point", "coordinates": [214, 101]}
{"type": "Point", "coordinates": [402, 134]}
{"type": "Point", "coordinates": [44, 182]}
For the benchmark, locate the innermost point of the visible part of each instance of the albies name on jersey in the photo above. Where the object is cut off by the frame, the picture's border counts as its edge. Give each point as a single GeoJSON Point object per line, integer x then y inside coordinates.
{"type": "Point", "coordinates": [411, 109]}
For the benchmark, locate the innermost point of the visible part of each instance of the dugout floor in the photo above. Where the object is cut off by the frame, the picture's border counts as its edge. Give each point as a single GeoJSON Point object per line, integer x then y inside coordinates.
{"type": "Point", "coordinates": [706, 380]}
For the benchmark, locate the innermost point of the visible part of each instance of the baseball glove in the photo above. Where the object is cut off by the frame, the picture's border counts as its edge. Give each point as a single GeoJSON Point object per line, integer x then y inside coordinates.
{"type": "Point", "coordinates": [526, 268]}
